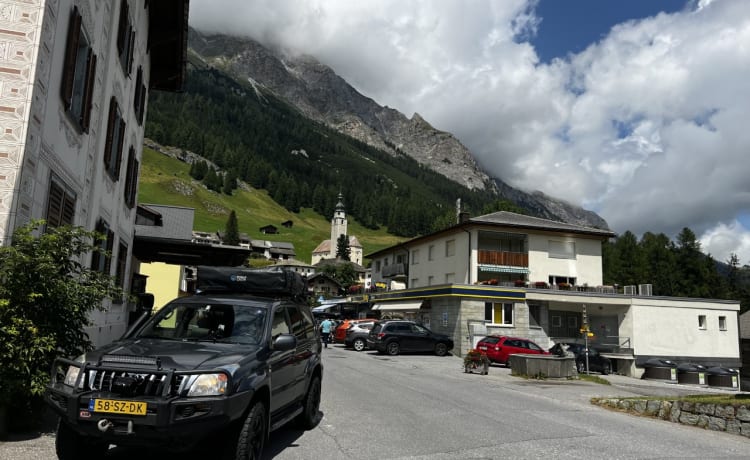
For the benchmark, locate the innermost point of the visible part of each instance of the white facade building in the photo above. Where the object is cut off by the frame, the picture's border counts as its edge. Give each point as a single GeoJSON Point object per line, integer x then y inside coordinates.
{"type": "Point", "coordinates": [74, 81]}
{"type": "Point", "coordinates": [508, 274]}
{"type": "Point", "coordinates": [339, 226]}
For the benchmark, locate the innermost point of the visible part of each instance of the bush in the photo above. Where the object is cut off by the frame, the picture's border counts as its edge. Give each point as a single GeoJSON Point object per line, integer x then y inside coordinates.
{"type": "Point", "coordinates": [46, 296]}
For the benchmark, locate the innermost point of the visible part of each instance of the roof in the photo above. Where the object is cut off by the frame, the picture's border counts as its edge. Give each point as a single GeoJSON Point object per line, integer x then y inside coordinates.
{"type": "Point", "coordinates": [175, 222]}
{"type": "Point", "coordinates": [323, 247]}
{"type": "Point", "coordinates": [506, 220]}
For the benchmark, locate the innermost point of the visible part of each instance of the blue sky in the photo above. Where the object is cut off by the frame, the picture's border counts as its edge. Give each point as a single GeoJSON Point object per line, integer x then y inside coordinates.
{"type": "Point", "coordinates": [607, 104]}
{"type": "Point", "coordinates": [569, 26]}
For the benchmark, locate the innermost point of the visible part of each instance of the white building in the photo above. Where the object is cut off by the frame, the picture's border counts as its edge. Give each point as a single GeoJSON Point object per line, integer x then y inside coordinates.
{"type": "Point", "coordinates": [508, 274]}
{"type": "Point", "coordinates": [339, 224]}
{"type": "Point", "coordinates": [74, 81]}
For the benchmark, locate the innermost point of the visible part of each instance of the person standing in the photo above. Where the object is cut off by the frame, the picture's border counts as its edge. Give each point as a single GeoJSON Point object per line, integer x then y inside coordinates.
{"type": "Point", "coordinates": [325, 330]}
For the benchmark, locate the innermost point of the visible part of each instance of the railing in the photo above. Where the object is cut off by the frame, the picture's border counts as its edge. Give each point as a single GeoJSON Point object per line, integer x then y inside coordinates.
{"type": "Point", "coordinates": [513, 259]}
{"type": "Point", "coordinates": [394, 270]}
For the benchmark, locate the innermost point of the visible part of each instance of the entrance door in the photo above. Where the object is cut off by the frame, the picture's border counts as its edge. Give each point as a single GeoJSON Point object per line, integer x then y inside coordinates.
{"type": "Point", "coordinates": [564, 324]}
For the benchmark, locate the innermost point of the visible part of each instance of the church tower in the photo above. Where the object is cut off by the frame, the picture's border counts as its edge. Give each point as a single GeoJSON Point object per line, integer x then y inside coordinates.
{"type": "Point", "coordinates": [338, 224]}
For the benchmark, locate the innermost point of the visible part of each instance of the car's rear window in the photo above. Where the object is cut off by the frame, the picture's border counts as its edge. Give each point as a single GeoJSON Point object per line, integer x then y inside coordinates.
{"type": "Point", "coordinates": [376, 328]}
{"type": "Point", "coordinates": [491, 339]}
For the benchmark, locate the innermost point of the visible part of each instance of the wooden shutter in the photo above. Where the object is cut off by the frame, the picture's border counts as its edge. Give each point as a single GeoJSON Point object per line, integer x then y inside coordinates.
{"type": "Point", "coordinates": [55, 205]}
{"type": "Point", "coordinates": [122, 29]}
{"type": "Point", "coordinates": [131, 35]}
{"type": "Point", "coordinates": [120, 143]}
{"type": "Point", "coordinates": [110, 132]}
{"type": "Point", "coordinates": [88, 95]}
{"type": "Point", "coordinates": [71, 50]}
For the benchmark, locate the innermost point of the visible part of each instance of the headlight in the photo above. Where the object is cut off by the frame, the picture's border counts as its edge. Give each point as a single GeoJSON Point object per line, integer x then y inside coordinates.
{"type": "Point", "coordinates": [72, 373]}
{"type": "Point", "coordinates": [208, 385]}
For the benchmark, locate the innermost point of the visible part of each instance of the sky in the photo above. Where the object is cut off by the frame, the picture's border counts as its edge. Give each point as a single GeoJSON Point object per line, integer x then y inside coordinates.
{"type": "Point", "coordinates": [638, 110]}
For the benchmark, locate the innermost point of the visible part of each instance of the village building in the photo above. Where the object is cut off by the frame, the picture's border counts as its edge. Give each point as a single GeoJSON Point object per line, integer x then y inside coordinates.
{"type": "Point", "coordinates": [74, 82]}
{"type": "Point", "coordinates": [509, 274]}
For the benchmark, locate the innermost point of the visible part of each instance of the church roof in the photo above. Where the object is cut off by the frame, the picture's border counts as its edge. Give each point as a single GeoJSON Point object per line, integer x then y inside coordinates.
{"type": "Point", "coordinates": [323, 247]}
{"type": "Point", "coordinates": [354, 242]}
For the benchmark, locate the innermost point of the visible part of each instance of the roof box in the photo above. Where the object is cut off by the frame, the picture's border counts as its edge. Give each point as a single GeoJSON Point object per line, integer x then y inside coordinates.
{"type": "Point", "coordinates": [265, 282]}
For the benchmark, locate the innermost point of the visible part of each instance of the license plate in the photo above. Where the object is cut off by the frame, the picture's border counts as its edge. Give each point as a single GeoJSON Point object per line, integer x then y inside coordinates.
{"type": "Point", "coordinates": [115, 406]}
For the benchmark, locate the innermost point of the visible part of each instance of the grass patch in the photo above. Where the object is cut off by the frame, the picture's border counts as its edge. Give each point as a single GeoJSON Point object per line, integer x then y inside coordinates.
{"type": "Point", "coordinates": [166, 181]}
{"type": "Point", "coordinates": [594, 379]}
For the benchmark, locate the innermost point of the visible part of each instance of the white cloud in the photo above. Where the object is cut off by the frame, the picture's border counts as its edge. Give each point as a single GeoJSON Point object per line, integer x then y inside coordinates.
{"type": "Point", "coordinates": [727, 239]}
{"type": "Point", "coordinates": [645, 127]}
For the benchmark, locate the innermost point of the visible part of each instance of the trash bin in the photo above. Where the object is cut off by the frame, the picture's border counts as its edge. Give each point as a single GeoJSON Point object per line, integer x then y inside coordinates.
{"type": "Point", "coordinates": [660, 369]}
{"type": "Point", "coordinates": [723, 377]}
{"type": "Point", "coordinates": [691, 374]}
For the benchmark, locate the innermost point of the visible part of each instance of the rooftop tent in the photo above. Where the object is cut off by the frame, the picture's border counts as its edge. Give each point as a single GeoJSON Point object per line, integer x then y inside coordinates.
{"type": "Point", "coordinates": [399, 306]}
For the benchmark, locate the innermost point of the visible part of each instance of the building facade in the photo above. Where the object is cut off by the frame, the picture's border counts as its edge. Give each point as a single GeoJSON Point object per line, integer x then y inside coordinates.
{"type": "Point", "coordinates": [74, 82]}
{"type": "Point", "coordinates": [515, 275]}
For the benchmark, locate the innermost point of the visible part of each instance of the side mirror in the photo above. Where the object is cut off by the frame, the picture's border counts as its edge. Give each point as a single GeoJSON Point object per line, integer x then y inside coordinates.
{"type": "Point", "coordinates": [285, 342]}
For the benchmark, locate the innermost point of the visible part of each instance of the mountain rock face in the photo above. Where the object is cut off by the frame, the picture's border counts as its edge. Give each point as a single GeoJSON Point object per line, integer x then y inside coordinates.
{"type": "Point", "coordinates": [317, 92]}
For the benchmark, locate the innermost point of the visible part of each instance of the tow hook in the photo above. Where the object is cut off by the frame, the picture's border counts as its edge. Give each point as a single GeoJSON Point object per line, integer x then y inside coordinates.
{"type": "Point", "coordinates": [104, 425]}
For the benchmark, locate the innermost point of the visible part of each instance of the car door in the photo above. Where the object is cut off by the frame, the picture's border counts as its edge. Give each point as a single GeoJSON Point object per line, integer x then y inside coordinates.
{"type": "Point", "coordinates": [282, 363]}
{"type": "Point", "coordinates": [533, 348]}
{"type": "Point", "coordinates": [303, 328]}
{"type": "Point", "coordinates": [510, 347]}
{"type": "Point", "coordinates": [422, 339]}
{"type": "Point", "coordinates": [405, 336]}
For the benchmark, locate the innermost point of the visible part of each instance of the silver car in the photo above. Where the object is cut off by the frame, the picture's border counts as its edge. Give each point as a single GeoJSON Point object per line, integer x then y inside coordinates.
{"type": "Point", "coordinates": [356, 335]}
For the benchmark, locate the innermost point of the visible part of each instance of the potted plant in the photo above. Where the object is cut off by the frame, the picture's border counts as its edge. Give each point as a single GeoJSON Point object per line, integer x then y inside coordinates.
{"type": "Point", "coordinates": [476, 360]}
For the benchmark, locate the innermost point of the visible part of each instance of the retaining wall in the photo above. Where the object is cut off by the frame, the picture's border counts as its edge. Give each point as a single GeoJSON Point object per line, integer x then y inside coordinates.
{"type": "Point", "coordinates": [731, 418]}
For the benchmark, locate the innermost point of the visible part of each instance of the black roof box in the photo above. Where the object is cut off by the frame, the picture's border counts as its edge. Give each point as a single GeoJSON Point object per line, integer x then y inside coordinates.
{"type": "Point", "coordinates": [266, 282]}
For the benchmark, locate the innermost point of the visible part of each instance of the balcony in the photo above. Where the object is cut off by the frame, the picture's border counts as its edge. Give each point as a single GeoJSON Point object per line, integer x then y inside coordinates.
{"type": "Point", "coordinates": [512, 259]}
{"type": "Point", "coordinates": [391, 271]}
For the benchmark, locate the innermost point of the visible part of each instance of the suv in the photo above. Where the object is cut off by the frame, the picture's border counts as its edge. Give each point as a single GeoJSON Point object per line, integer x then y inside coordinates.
{"type": "Point", "coordinates": [395, 336]}
{"type": "Point", "coordinates": [233, 363]}
{"type": "Point", "coordinates": [498, 348]}
{"type": "Point", "coordinates": [356, 335]}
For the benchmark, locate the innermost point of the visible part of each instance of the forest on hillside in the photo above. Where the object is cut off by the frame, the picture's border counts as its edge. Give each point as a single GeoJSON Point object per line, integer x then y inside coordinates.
{"type": "Point", "coordinates": [674, 268]}
{"type": "Point", "coordinates": [260, 140]}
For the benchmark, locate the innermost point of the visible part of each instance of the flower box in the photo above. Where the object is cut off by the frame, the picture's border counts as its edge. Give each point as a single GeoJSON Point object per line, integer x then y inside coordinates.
{"type": "Point", "coordinates": [476, 361]}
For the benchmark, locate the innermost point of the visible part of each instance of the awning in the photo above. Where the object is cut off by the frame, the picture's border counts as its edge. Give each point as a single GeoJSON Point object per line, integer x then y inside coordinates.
{"type": "Point", "coordinates": [398, 306]}
{"type": "Point", "coordinates": [502, 269]}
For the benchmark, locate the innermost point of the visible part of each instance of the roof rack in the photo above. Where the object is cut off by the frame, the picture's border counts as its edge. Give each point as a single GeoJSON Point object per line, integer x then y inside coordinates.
{"type": "Point", "coordinates": [265, 282]}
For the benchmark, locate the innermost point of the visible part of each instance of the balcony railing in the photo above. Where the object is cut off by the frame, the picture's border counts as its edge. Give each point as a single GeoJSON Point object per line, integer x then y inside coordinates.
{"type": "Point", "coordinates": [513, 259]}
{"type": "Point", "coordinates": [392, 270]}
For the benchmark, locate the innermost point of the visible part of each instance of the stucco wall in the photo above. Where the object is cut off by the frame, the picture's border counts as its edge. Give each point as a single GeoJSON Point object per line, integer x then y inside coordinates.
{"type": "Point", "coordinates": [586, 267]}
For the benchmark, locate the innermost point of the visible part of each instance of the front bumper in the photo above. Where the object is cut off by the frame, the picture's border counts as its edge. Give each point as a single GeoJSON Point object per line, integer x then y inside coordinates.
{"type": "Point", "coordinates": [177, 422]}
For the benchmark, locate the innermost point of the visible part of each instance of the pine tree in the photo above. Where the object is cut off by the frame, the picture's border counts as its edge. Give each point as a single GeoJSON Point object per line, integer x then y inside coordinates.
{"type": "Point", "coordinates": [231, 232]}
{"type": "Point", "coordinates": [343, 251]}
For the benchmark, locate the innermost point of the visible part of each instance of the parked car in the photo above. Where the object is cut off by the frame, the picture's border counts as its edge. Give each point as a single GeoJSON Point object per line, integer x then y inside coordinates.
{"type": "Point", "coordinates": [396, 336]}
{"type": "Point", "coordinates": [339, 334]}
{"type": "Point", "coordinates": [356, 335]}
{"type": "Point", "coordinates": [498, 347]}
{"type": "Point", "coordinates": [597, 362]}
{"type": "Point", "coordinates": [230, 364]}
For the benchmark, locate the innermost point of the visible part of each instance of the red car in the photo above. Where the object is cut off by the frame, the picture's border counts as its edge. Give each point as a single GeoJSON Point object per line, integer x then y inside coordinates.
{"type": "Point", "coordinates": [498, 348]}
{"type": "Point", "coordinates": [339, 334]}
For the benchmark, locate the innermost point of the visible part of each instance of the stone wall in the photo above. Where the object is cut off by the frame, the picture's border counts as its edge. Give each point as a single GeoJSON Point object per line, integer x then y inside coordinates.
{"type": "Point", "coordinates": [731, 418]}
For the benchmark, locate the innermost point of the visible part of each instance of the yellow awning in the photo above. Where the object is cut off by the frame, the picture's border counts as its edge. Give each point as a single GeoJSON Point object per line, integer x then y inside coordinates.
{"type": "Point", "coordinates": [398, 306]}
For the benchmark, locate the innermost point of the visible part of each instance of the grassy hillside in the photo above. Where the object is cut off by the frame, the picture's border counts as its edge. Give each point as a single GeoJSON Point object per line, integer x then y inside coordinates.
{"type": "Point", "coordinates": [165, 180]}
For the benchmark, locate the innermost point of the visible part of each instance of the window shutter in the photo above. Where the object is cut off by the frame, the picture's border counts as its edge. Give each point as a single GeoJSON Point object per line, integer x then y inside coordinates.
{"type": "Point", "coordinates": [110, 132]}
{"type": "Point", "coordinates": [122, 27]}
{"type": "Point", "coordinates": [120, 142]}
{"type": "Point", "coordinates": [68, 210]}
{"type": "Point", "coordinates": [130, 50]}
{"type": "Point", "coordinates": [71, 49]}
{"type": "Point", "coordinates": [55, 205]}
{"type": "Point", "coordinates": [110, 248]}
{"type": "Point", "coordinates": [88, 96]}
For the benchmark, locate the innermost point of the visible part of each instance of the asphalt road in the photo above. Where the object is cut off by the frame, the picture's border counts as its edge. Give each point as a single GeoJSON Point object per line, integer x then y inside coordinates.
{"type": "Point", "coordinates": [426, 407]}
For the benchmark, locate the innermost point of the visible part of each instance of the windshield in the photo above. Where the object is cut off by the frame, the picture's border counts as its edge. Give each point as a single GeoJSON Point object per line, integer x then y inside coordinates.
{"type": "Point", "coordinates": [210, 322]}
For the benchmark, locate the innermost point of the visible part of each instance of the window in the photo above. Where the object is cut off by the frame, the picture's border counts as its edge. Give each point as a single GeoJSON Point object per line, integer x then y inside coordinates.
{"type": "Point", "coordinates": [79, 70]}
{"type": "Point", "coordinates": [701, 321]}
{"type": "Point", "coordinates": [562, 250]}
{"type": "Point", "coordinates": [302, 326]}
{"type": "Point", "coordinates": [113, 144]}
{"type": "Point", "coordinates": [139, 99]}
{"type": "Point", "coordinates": [722, 323]}
{"type": "Point", "coordinates": [499, 313]}
{"type": "Point", "coordinates": [102, 257]}
{"type": "Point", "coordinates": [431, 252]}
{"type": "Point", "coordinates": [415, 257]}
{"type": "Point", "coordinates": [430, 280]}
{"type": "Point", "coordinates": [279, 325]}
{"type": "Point", "coordinates": [131, 179]}
{"type": "Point", "coordinates": [61, 204]}
{"type": "Point", "coordinates": [414, 282]}
{"type": "Point", "coordinates": [450, 248]}
{"type": "Point", "coordinates": [556, 321]}
{"type": "Point", "coordinates": [377, 266]}
{"type": "Point", "coordinates": [535, 316]}
{"type": "Point", "coordinates": [450, 278]}
{"type": "Point", "coordinates": [125, 38]}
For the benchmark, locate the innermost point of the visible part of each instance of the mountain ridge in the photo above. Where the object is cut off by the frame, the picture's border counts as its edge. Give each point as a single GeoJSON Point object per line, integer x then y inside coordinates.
{"type": "Point", "coordinates": [320, 94]}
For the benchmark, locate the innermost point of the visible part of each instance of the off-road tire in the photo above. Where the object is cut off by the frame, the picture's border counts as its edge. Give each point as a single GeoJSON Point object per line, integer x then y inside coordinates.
{"type": "Point", "coordinates": [359, 344]}
{"type": "Point", "coordinates": [70, 445]}
{"type": "Point", "coordinates": [252, 436]}
{"type": "Point", "coordinates": [393, 348]}
{"type": "Point", "coordinates": [441, 349]}
{"type": "Point", "coordinates": [309, 417]}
